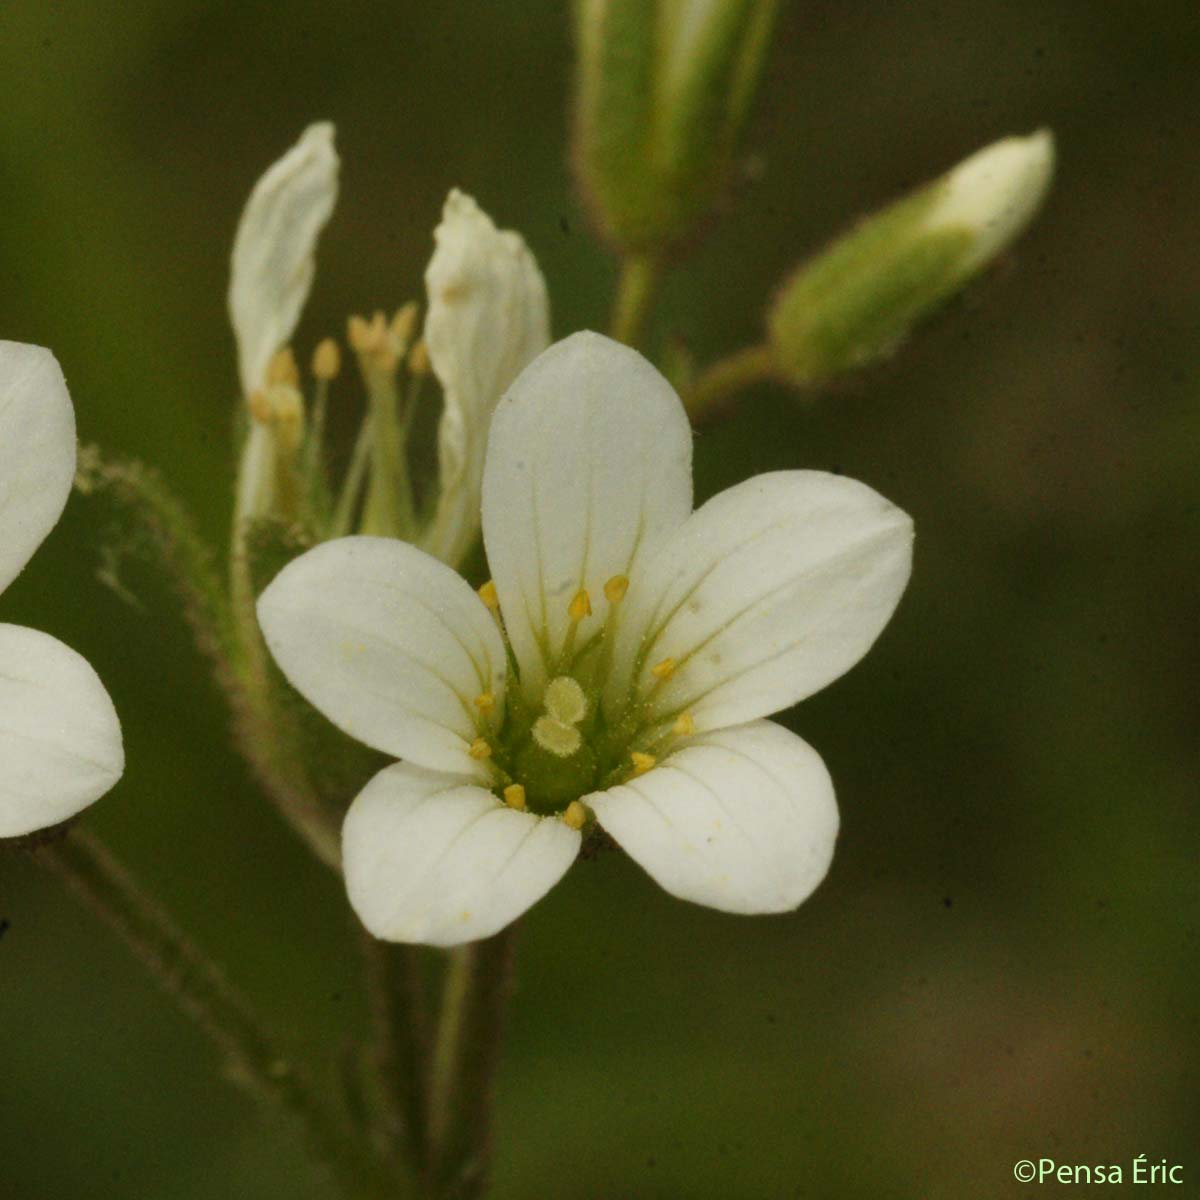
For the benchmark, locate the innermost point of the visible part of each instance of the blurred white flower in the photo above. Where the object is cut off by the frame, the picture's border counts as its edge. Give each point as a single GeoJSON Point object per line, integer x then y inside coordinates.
{"type": "Point", "coordinates": [648, 642]}
{"type": "Point", "coordinates": [60, 740]}
{"type": "Point", "coordinates": [488, 318]}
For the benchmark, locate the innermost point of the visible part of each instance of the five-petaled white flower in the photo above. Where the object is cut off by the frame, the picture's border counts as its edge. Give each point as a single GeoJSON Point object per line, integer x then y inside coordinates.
{"type": "Point", "coordinates": [617, 667]}
{"type": "Point", "coordinates": [60, 741]}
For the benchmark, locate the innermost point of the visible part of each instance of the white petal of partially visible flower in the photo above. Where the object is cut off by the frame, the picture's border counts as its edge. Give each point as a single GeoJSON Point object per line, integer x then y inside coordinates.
{"type": "Point", "coordinates": [60, 740]}
{"type": "Point", "coordinates": [743, 820]}
{"type": "Point", "coordinates": [770, 591]}
{"type": "Point", "coordinates": [37, 452]}
{"type": "Point", "coordinates": [390, 644]}
{"type": "Point", "coordinates": [488, 318]}
{"type": "Point", "coordinates": [273, 251]}
{"type": "Point", "coordinates": [588, 471]}
{"type": "Point", "coordinates": [433, 859]}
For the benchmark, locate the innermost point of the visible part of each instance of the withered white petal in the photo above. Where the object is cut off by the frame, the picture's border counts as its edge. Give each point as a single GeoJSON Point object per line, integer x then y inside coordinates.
{"type": "Point", "coordinates": [37, 452]}
{"type": "Point", "coordinates": [390, 644]}
{"type": "Point", "coordinates": [60, 740]}
{"type": "Point", "coordinates": [435, 859]}
{"type": "Point", "coordinates": [743, 819]}
{"type": "Point", "coordinates": [588, 472]}
{"type": "Point", "coordinates": [488, 317]}
{"type": "Point", "coordinates": [274, 249]}
{"type": "Point", "coordinates": [768, 592]}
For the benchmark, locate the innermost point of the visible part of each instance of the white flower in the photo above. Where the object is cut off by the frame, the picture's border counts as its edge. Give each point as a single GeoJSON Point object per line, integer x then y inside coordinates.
{"type": "Point", "coordinates": [60, 741]}
{"type": "Point", "coordinates": [645, 645]}
{"type": "Point", "coordinates": [994, 194]}
{"type": "Point", "coordinates": [488, 318]}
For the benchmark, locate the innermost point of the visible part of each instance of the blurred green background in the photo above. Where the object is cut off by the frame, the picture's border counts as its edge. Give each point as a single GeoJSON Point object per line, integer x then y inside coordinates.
{"type": "Point", "coordinates": [1003, 961]}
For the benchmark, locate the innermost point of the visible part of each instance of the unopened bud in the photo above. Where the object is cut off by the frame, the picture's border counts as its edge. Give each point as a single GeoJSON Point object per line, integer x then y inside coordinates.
{"type": "Point", "coordinates": [663, 91]}
{"type": "Point", "coordinates": [856, 301]}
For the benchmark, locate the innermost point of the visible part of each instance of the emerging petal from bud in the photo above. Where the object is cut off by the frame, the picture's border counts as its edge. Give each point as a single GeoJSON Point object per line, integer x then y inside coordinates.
{"type": "Point", "coordinates": [856, 301]}
{"type": "Point", "coordinates": [488, 317]}
{"type": "Point", "coordinates": [273, 263]}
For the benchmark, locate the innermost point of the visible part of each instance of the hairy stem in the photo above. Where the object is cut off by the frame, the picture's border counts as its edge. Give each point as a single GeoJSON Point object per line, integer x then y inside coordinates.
{"type": "Point", "coordinates": [637, 291]}
{"type": "Point", "coordinates": [204, 995]}
{"type": "Point", "coordinates": [479, 980]}
{"type": "Point", "coordinates": [711, 397]}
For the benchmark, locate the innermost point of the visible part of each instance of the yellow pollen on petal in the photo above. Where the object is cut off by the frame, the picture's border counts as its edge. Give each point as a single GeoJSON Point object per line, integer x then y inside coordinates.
{"type": "Point", "coordinates": [580, 606]}
{"type": "Point", "coordinates": [641, 762]}
{"type": "Point", "coordinates": [684, 725]}
{"type": "Point", "coordinates": [575, 815]}
{"type": "Point", "coordinates": [485, 702]}
{"type": "Point", "coordinates": [480, 749]}
{"type": "Point", "coordinates": [489, 595]}
{"type": "Point", "coordinates": [326, 359]}
{"type": "Point", "coordinates": [664, 669]}
{"type": "Point", "coordinates": [514, 797]}
{"type": "Point", "coordinates": [615, 589]}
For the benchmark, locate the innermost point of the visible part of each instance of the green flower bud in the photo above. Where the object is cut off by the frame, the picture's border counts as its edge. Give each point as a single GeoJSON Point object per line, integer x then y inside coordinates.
{"type": "Point", "coordinates": [856, 301]}
{"type": "Point", "coordinates": [663, 91]}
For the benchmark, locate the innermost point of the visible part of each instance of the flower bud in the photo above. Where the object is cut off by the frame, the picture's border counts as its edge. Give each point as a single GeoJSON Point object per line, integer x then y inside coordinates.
{"type": "Point", "coordinates": [662, 93]}
{"type": "Point", "coordinates": [857, 300]}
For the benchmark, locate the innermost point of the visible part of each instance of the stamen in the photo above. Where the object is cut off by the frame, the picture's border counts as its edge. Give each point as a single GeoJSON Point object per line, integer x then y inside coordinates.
{"type": "Point", "coordinates": [565, 701]}
{"type": "Point", "coordinates": [485, 702]}
{"type": "Point", "coordinates": [514, 797]}
{"type": "Point", "coordinates": [260, 407]}
{"type": "Point", "coordinates": [575, 815]}
{"type": "Point", "coordinates": [664, 669]}
{"type": "Point", "coordinates": [480, 749]}
{"type": "Point", "coordinates": [489, 595]}
{"type": "Point", "coordinates": [404, 323]}
{"type": "Point", "coordinates": [684, 725]}
{"type": "Point", "coordinates": [282, 368]}
{"type": "Point", "coordinates": [642, 762]}
{"type": "Point", "coordinates": [580, 606]}
{"type": "Point", "coordinates": [615, 589]}
{"type": "Point", "coordinates": [418, 360]}
{"type": "Point", "coordinates": [560, 739]}
{"type": "Point", "coordinates": [326, 360]}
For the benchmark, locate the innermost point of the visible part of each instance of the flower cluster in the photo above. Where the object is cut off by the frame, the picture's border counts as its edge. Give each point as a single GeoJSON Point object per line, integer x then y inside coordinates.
{"type": "Point", "coordinates": [616, 669]}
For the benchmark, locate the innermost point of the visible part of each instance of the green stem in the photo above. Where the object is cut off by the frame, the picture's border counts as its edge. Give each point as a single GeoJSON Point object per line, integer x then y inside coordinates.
{"type": "Point", "coordinates": [478, 984]}
{"type": "Point", "coordinates": [399, 1023]}
{"type": "Point", "coordinates": [204, 995]}
{"type": "Point", "coordinates": [637, 291]}
{"type": "Point", "coordinates": [710, 397]}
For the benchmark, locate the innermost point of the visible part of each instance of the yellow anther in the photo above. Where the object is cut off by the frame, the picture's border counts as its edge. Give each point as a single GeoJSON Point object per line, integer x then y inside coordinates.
{"type": "Point", "coordinates": [418, 359]}
{"type": "Point", "coordinates": [326, 359]}
{"type": "Point", "coordinates": [664, 669]}
{"type": "Point", "coordinates": [358, 334]}
{"type": "Point", "coordinates": [684, 725]}
{"type": "Point", "coordinates": [641, 762]}
{"type": "Point", "coordinates": [485, 702]}
{"type": "Point", "coordinates": [260, 407]}
{"type": "Point", "coordinates": [580, 606]}
{"type": "Point", "coordinates": [282, 368]}
{"type": "Point", "coordinates": [574, 815]}
{"type": "Point", "coordinates": [489, 595]}
{"type": "Point", "coordinates": [514, 797]}
{"type": "Point", "coordinates": [559, 738]}
{"type": "Point", "coordinates": [615, 589]}
{"type": "Point", "coordinates": [404, 323]}
{"type": "Point", "coordinates": [564, 700]}
{"type": "Point", "coordinates": [480, 749]}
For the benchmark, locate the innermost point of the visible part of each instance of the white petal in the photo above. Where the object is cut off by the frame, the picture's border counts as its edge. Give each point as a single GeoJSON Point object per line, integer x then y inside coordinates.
{"type": "Point", "coordinates": [770, 591]}
{"type": "Point", "coordinates": [743, 819]}
{"type": "Point", "coordinates": [488, 318]}
{"type": "Point", "coordinates": [37, 452]}
{"type": "Point", "coordinates": [588, 472]}
{"type": "Point", "coordinates": [272, 269]}
{"type": "Point", "coordinates": [60, 740]}
{"type": "Point", "coordinates": [434, 859]}
{"type": "Point", "coordinates": [390, 644]}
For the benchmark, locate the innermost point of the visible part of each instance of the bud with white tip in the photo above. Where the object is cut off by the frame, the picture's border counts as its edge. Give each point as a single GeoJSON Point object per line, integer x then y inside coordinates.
{"type": "Point", "coordinates": [854, 303]}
